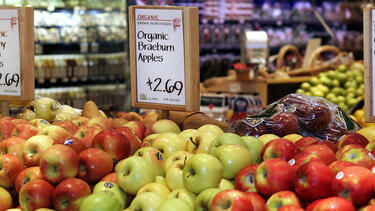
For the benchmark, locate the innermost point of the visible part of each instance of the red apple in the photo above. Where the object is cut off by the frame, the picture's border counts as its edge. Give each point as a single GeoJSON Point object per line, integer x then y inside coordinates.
{"type": "Point", "coordinates": [355, 183]}
{"type": "Point", "coordinates": [273, 175]}
{"type": "Point", "coordinates": [25, 131]}
{"type": "Point", "coordinates": [112, 142]}
{"type": "Point", "coordinates": [102, 121]}
{"type": "Point", "coordinates": [75, 144]}
{"type": "Point", "coordinates": [67, 125]}
{"type": "Point", "coordinates": [329, 144]}
{"type": "Point", "coordinates": [323, 152]}
{"type": "Point", "coordinates": [231, 200]}
{"type": "Point", "coordinates": [11, 166]}
{"type": "Point", "coordinates": [6, 128]}
{"type": "Point", "coordinates": [111, 177]}
{"type": "Point", "coordinates": [19, 121]}
{"type": "Point", "coordinates": [290, 208]}
{"type": "Point", "coordinates": [69, 194]}
{"type": "Point", "coordinates": [58, 162]}
{"type": "Point", "coordinates": [347, 148]}
{"type": "Point", "coordinates": [334, 203]}
{"type": "Point", "coordinates": [80, 121]}
{"type": "Point", "coordinates": [86, 134]}
{"type": "Point", "coordinates": [357, 155]}
{"type": "Point", "coordinates": [257, 201]}
{"type": "Point", "coordinates": [352, 138]}
{"type": "Point", "coordinates": [312, 181]}
{"type": "Point", "coordinates": [137, 127]}
{"type": "Point", "coordinates": [57, 133]}
{"type": "Point", "coordinates": [244, 180]}
{"type": "Point", "coordinates": [134, 141]}
{"type": "Point", "coordinates": [26, 176]}
{"type": "Point", "coordinates": [306, 141]}
{"type": "Point", "coordinates": [34, 147]}
{"type": "Point", "coordinates": [282, 198]}
{"type": "Point", "coordinates": [147, 141]}
{"type": "Point", "coordinates": [279, 148]}
{"type": "Point", "coordinates": [6, 201]}
{"type": "Point", "coordinates": [94, 164]}
{"type": "Point", "coordinates": [13, 146]}
{"type": "Point", "coordinates": [338, 165]}
{"type": "Point", "coordinates": [311, 206]}
{"type": "Point", "coordinates": [302, 158]}
{"type": "Point", "coordinates": [36, 194]}
{"type": "Point", "coordinates": [282, 124]}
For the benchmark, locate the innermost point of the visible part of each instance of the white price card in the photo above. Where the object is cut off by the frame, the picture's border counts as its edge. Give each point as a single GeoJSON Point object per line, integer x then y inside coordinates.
{"type": "Point", "coordinates": [160, 59]}
{"type": "Point", "coordinates": [9, 53]}
{"type": "Point", "coordinates": [164, 57]}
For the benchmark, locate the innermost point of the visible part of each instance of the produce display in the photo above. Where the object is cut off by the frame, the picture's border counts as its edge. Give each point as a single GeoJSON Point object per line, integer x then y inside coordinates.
{"type": "Point", "coordinates": [72, 159]}
{"type": "Point", "coordinates": [343, 86]}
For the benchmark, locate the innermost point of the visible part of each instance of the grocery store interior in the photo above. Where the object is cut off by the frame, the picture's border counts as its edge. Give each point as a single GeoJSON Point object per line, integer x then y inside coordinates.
{"type": "Point", "coordinates": [82, 52]}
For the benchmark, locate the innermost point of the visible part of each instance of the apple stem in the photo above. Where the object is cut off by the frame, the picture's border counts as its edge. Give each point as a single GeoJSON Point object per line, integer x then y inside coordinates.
{"type": "Point", "coordinates": [185, 159]}
{"type": "Point", "coordinates": [191, 139]}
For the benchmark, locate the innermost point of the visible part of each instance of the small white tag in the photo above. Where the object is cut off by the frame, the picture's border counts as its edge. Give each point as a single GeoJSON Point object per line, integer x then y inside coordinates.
{"type": "Point", "coordinates": [340, 175]}
{"type": "Point", "coordinates": [292, 162]}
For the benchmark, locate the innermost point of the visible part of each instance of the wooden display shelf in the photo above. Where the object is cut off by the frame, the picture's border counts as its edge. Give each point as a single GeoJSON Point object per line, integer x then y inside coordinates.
{"type": "Point", "coordinates": [268, 90]}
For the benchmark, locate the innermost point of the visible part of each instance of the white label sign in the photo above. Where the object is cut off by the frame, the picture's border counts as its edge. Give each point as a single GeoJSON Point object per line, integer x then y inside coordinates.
{"type": "Point", "coordinates": [9, 53]}
{"type": "Point", "coordinates": [160, 56]}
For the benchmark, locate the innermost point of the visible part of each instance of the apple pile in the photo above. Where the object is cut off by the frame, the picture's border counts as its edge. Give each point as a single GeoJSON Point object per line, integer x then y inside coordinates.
{"type": "Point", "coordinates": [343, 86]}
{"type": "Point", "coordinates": [95, 163]}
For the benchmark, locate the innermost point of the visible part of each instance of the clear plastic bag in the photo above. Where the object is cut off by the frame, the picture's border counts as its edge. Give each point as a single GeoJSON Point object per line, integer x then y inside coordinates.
{"type": "Point", "coordinates": [296, 113]}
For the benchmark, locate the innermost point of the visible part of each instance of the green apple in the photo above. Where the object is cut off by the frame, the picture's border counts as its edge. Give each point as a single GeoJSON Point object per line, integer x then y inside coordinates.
{"type": "Point", "coordinates": [200, 143]}
{"type": "Point", "coordinates": [226, 184]}
{"type": "Point", "coordinates": [168, 143]}
{"type": "Point", "coordinates": [174, 204]}
{"type": "Point", "coordinates": [160, 180]}
{"type": "Point", "coordinates": [233, 158]}
{"type": "Point", "coordinates": [204, 199]}
{"type": "Point", "coordinates": [176, 156]}
{"type": "Point", "coordinates": [185, 195]}
{"type": "Point", "coordinates": [133, 173]}
{"type": "Point", "coordinates": [174, 175]}
{"type": "Point", "coordinates": [306, 86]}
{"type": "Point", "coordinates": [101, 201]}
{"type": "Point", "coordinates": [212, 129]}
{"type": "Point", "coordinates": [45, 209]}
{"type": "Point", "coordinates": [165, 126]}
{"type": "Point", "coordinates": [45, 108]}
{"type": "Point", "coordinates": [202, 171]}
{"type": "Point", "coordinates": [265, 138]}
{"type": "Point", "coordinates": [154, 157]}
{"type": "Point", "coordinates": [146, 202]}
{"type": "Point", "coordinates": [226, 138]}
{"type": "Point", "coordinates": [115, 189]}
{"type": "Point", "coordinates": [188, 133]}
{"type": "Point", "coordinates": [157, 188]}
{"type": "Point", "coordinates": [255, 147]}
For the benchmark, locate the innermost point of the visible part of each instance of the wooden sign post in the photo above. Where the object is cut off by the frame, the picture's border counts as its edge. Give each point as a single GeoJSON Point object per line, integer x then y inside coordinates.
{"type": "Point", "coordinates": [164, 58]}
{"type": "Point", "coordinates": [369, 58]}
{"type": "Point", "coordinates": [16, 55]}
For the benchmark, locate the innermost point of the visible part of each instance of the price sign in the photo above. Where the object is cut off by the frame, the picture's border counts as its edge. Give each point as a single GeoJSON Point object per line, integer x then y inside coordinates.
{"type": "Point", "coordinates": [369, 58]}
{"type": "Point", "coordinates": [164, 56]}
{"type": "Point", "coordinates": [16, 53]}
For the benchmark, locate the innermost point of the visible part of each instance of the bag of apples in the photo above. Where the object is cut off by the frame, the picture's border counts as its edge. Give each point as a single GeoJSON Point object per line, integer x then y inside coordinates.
{"type": "Point", "coordinates": [300, 114]}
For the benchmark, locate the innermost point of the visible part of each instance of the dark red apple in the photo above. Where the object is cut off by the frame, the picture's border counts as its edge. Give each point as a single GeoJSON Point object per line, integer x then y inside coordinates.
{"type": "Point", "coordinates": [279, 148]}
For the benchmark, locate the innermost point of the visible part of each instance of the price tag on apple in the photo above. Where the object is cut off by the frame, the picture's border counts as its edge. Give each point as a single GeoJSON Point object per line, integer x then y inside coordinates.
{"type": "Point", "coordinates": [164, 57]}
{"type": "Point", "coordinates": [16, 53]}
{"type": "Point", "coordinates": [369, 58]}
